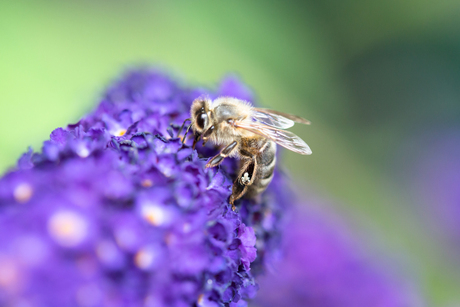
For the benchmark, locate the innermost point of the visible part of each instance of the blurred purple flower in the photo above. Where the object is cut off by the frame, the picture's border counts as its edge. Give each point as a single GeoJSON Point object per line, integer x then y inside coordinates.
{"type": "Point", "coordinates": [116, 212]}
{"type": "Point", "coordinates": [323, 266]}
{"type": "Point", "coordinates": [433, 179]}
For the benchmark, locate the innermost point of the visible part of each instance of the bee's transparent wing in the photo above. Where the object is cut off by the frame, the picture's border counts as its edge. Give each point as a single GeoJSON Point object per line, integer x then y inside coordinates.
{"type": "Point", "coordinates": [277, 119]}
{"type": "Point", "coordinates": [270, 119]}
{"type": "Point", "coordinates": [281, 137]}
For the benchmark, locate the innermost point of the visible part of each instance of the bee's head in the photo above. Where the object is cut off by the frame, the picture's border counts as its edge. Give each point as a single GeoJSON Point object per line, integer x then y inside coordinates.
{"type": "Point", "coordinates": [200, 114]}
{"type": "Point", "coordinates": [201, 120]}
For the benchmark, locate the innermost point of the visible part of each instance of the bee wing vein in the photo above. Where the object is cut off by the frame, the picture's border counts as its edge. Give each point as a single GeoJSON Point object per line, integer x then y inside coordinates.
{"type": "Point", "coordinates": [277, 119]}
{"type": "Point", "coordinates": [272, 120]}
{"type": "Point", "coordinates": [284, 138]}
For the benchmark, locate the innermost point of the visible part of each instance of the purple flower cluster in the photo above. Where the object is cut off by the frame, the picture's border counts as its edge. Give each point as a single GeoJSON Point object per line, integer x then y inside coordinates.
{"type": "Point", "coordinates": [323, 266]}
{"type": "Point", "coordinates": [115, 211]}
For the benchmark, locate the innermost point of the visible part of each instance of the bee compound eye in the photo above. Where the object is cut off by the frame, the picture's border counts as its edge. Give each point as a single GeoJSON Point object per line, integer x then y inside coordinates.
{"type": "Point", "coordinates": [201, 120]}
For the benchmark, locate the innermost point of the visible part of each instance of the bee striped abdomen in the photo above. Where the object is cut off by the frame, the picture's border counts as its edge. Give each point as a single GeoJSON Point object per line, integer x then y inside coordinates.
{"type": "Point", "coordinates": [266, 161]}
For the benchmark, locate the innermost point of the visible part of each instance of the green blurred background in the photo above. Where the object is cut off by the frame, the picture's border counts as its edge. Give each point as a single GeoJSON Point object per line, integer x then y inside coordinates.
{"type": "Point", "coordinates": [372, 76]}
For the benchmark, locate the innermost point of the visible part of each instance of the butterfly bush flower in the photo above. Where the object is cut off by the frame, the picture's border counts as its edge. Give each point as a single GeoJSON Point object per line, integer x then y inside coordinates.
{"type": "Point", "coordinates": [323, 266]}
{"type": "Point", "coordinates": [434, 183]}
{"type": "Point", "coordinates": [116, 211]}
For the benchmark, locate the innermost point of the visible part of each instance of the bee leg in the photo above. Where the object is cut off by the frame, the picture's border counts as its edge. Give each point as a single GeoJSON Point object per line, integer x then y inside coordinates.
{"type": "Point", "coordinates": [216, 160]}
{"type": "Point", "coordinates": [240, 186]}
{"type": "Point", "coordinates": [183, 125]}
{"type": "Point", "coordinates": [185, 135]}
{"type": "Point", "coordinates": [186, 131]}
{"type": "Point", "coordinates": [238, 191]}
{"type": "Point", "coordinates": [196, 140]}
{"type": "Point", "coordinates": [247, 172]}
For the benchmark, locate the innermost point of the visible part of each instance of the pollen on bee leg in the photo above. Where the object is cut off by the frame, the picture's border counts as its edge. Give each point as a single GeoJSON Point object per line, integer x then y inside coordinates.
{"type": "Point", "coordinates": [245, 179]}
{"type": "Point", "coordinates": [23, 192]}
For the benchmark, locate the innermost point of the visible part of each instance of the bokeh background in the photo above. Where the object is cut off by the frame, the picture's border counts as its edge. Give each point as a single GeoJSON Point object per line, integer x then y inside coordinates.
{"type": "Point", "coordinates": [380, 80]}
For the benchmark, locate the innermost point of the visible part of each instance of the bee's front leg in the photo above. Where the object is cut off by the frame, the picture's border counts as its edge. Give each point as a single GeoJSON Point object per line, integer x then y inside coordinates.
{"type": "Point", "coordinates": [216, 160]}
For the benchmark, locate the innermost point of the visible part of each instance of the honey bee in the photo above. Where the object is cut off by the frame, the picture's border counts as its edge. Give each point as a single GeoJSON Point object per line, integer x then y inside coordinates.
{"type": "Point", "coordinates": [249, 134]}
